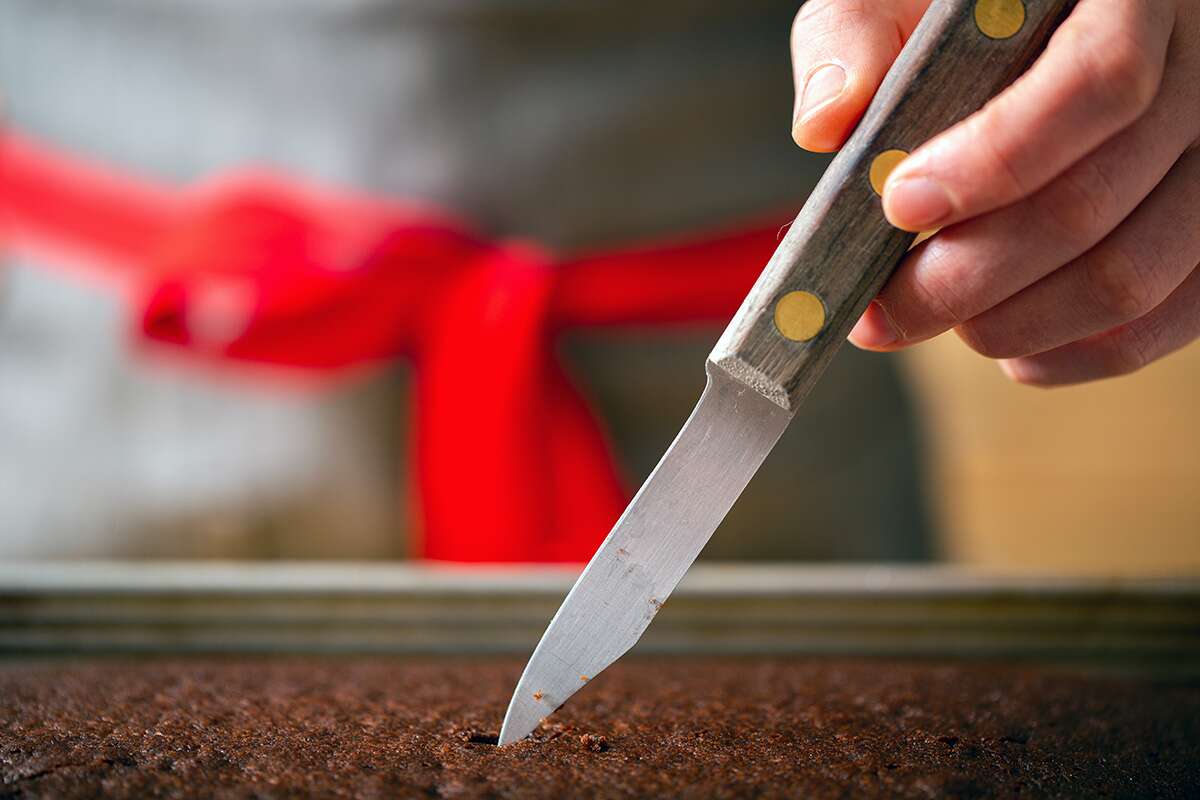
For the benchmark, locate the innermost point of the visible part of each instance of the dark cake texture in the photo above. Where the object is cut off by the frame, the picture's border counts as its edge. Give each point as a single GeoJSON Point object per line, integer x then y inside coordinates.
{"type": "Point", "coordinates": [687, 727]}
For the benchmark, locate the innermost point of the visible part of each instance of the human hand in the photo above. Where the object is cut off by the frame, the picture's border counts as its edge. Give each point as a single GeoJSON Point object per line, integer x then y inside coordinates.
{"type": "Point", "coordinates": [1069, 206]}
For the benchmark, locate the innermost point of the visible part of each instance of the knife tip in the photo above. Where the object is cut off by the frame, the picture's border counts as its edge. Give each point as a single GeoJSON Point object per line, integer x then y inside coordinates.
{"type": "Point", "coordinates": [521, 718]}
{"type": "Point", "coordinates": [512, 731]}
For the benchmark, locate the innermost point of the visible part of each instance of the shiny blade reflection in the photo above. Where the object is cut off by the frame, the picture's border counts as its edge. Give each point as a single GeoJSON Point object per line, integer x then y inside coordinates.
{"type": "Point", "coordinates": [716, 453]}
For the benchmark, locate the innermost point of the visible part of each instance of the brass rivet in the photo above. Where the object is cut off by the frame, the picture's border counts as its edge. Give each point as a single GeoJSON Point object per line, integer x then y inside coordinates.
{"type": "Point", "coordinates": [799, 316]}
{"type": "Point", "coordinates": [999, 19]}
{"type": "Point", "coordinates": [882, 166]}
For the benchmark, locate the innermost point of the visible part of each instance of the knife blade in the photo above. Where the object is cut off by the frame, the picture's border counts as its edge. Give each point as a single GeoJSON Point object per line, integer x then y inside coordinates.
{"type": "Point", "coordinates": [658, 537]}
{"type": "Point", "coordinates": [833, 260]}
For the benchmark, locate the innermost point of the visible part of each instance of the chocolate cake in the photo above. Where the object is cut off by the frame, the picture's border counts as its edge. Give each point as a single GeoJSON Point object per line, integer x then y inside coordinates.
{"type": "Point", "coordinates": [667, 728]}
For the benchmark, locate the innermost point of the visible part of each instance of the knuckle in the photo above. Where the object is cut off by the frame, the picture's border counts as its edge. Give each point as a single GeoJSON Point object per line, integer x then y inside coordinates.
{"type": "Point", "coordinates": [1128, 350]}
{"type": "Point", "coordinates": [1120, 73]}
{"type": "Point", "coordinates": [1082, 205]}
{"type": "Point", "coordinates": [833, 14]}
{"type": "Point", "coordinates": [826, 10]}
{"type": "Point", "coordinates": [941, 292]}
{"type": "Point", "coordinates": [811, 9]}
{"type": "Point", "coordinates": [1116, 285]}
{"type": "Point", "coordinates": [1130, 77]}
{"type": "Point", "coordinates": [988, 134]}
{"type": "Point", "coordinates": [984, 340]}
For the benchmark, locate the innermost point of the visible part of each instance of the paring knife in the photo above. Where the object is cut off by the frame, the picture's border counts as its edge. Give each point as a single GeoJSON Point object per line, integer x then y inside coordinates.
{"type": "Point", "coordinates": [832, 262]}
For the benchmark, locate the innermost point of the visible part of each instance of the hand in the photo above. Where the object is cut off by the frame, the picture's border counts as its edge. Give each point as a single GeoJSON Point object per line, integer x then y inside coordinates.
{"type": "Point", "coordinates": [1069, 206]}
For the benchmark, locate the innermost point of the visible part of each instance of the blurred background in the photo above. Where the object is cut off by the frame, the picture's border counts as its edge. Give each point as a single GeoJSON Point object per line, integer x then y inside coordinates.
{"type": "Point", "coordinates": [586, 127]}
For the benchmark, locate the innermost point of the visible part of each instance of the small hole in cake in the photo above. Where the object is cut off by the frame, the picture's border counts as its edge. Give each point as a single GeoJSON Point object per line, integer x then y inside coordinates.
{"type": "Point", "coordinates": [472, 736]}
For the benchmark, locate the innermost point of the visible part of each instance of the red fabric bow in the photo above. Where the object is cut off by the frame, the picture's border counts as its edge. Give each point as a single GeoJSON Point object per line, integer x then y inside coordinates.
{"type": "Point", "coordinates": [510, 463]}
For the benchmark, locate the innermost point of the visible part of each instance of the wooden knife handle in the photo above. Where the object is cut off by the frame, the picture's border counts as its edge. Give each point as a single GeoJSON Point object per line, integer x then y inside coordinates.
{"type": "Point", "coordinates": [841, 250]}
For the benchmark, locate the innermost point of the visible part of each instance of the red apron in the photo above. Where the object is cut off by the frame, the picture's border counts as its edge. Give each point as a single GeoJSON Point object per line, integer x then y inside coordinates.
{"type": "Point", "coordinates": [510, 463]}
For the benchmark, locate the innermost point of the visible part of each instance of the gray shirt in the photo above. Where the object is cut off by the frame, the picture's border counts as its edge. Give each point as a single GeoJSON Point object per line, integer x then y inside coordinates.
{"type": "Point", "coordinates": [571, 122]}
{"type": "Point", "coordinates": [576, 123]}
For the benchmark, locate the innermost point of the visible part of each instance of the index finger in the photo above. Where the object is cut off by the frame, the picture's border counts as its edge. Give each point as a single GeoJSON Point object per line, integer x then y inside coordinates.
{"type": "Point", "coordinates": [1099, 73]}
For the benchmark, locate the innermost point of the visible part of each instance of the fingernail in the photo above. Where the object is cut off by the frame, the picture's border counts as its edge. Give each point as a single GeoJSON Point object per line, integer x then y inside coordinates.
{"type": "Point", "coordinates": [823, 86]}
{"type": "Point", "coordinates": [917, 202]}
{"type": "Point", "coordinates": [874, 329]}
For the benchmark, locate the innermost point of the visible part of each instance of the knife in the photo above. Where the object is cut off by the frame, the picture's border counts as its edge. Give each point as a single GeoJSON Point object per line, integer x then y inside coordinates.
{"type": "Point", "coordinates": [834, 259]}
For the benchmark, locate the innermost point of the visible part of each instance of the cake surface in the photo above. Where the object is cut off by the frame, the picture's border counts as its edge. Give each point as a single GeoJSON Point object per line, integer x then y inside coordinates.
{"type": "Point", "coordinates": [686, 727]}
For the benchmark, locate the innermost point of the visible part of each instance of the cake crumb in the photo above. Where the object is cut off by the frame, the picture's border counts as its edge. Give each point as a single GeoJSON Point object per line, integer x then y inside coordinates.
{"type": "Point", "coordinates": [597, 744]}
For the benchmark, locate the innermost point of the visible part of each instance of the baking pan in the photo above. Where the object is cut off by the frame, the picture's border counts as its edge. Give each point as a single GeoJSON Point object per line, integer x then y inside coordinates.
{"type": "Point", "coordinates": [905, 611]}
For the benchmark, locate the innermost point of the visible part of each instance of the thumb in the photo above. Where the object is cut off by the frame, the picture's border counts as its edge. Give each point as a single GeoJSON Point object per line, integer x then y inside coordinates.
{"type": "Point", "coordinates": [841, 49]}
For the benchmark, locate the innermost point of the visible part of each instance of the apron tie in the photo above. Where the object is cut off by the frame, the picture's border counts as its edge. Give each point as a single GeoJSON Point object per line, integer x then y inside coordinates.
{"type": "Point", "coordinates": [510, 463]}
